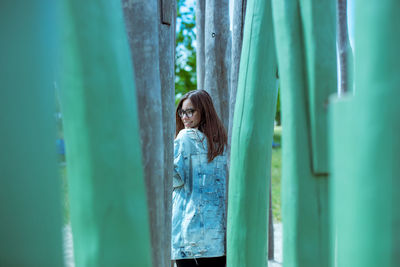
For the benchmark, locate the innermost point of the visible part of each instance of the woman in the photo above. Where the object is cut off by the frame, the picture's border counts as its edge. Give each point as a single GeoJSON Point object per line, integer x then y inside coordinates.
{"type": "Point", "coordinates": [198, 199]}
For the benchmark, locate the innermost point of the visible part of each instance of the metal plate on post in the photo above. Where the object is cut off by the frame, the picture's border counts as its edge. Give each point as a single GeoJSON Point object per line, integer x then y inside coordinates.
{"type": "Point", "coordinates": [166, 12]}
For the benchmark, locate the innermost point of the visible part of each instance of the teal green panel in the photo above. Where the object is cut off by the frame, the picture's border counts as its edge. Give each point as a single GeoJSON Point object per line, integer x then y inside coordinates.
{"type": "Point", "coordinates": [109, 215]}
{"type": "Point", "coordinates": [365, 146]}
{"type": "Point", "coordinates": [319, 38]}
{"type": "Point", "coordinates": [251, 141]}
{"type": "Point", "coordinates": [30, 198]}
{"type": "Point", "coordinates": [305, 209]}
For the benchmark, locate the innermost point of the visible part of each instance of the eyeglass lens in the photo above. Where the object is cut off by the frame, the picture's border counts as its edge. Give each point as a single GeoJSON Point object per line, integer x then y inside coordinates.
{"type": "Point", "coordinates": [188, 113]}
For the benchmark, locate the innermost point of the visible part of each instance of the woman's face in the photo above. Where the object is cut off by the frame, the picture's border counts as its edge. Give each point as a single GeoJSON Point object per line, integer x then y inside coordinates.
{"type": "Point", "coordinates": [186, 111]}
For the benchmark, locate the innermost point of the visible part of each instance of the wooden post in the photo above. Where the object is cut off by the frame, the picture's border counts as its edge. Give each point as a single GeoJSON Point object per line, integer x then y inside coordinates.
{"type": "Point", "coordinates": [217, 53]}
{"type": "Point", "coordinates": [152, 44]}
{"type": "Point", "coordinates": [200, 45]}
{"type": "Point", "coordinates": [167, 79]}
{"type": "Point", "coordinates": [239, 13]}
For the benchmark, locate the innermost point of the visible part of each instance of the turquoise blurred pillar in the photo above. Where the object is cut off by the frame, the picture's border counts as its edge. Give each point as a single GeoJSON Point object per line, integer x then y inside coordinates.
{"type": "Point", "coordinates": [109, 215]}
{"type": "Point", "coordinates": [305, 41]}
{"type": "Point", "coordinates": [365, 145]}
{"type": "Point", "coordinates": [30, 206]}
{"type": "Point", "coordinates": [252, 132]}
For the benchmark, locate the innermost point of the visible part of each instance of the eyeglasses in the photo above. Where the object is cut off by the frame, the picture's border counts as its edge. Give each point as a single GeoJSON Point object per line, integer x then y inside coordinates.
{"type": "Point", "coordinates": [188, 112]}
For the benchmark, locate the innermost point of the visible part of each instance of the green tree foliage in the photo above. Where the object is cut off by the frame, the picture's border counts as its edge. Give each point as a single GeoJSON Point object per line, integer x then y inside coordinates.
{"type": "Point", "coordinates": [185, 65]}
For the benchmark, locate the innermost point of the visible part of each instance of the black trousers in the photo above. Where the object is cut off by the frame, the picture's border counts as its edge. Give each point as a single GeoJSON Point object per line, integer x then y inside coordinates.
{"type": "Point", "coordinates": [202, 262]}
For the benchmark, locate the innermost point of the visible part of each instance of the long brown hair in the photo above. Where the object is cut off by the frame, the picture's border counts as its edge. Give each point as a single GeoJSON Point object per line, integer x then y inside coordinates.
{"type": "Point", "coordinates": [209, 124]}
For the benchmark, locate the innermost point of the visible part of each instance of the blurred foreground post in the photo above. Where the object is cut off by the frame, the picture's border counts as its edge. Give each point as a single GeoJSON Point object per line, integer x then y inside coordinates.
{"type": "Point", "coordinates": [365, 148]}
{"type": "Point", "coordinates": [109, 215]}
{"type": "Point", "coordinates": [306, 49]}
{"type": "Point", "coordinates": [30, 188]}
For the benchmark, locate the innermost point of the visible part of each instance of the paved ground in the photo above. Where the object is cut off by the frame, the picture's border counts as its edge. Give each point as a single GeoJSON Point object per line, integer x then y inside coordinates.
{"type": "Point", "coordinates": [277, 262]}
{"type": "Point", "coordinates": [68, 247]}
{"type": "Point", "coordinates": [69, 252]}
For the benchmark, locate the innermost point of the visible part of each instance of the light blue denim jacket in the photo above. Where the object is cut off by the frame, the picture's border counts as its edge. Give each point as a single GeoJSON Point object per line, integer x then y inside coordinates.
{"type": "Point", "coordinates": [198, 199]}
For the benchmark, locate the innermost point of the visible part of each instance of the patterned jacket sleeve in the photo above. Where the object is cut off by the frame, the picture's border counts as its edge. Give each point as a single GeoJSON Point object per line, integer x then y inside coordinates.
{"type": "Point", "coordinates": [179, 162]}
